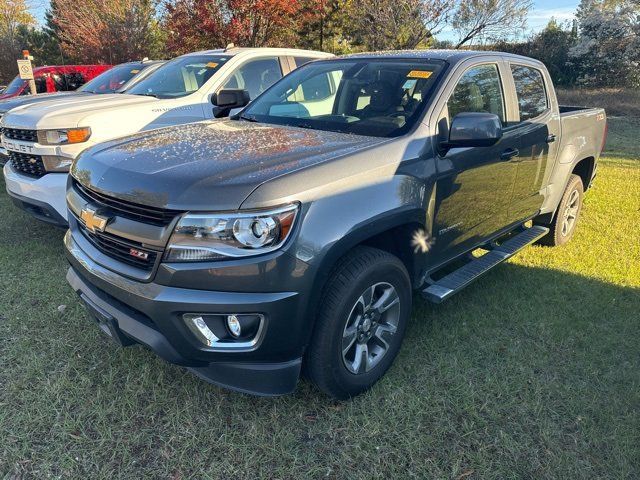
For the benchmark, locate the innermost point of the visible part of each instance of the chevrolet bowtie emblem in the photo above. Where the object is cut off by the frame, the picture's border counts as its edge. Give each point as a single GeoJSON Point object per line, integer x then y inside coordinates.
{"type": "Point", "coordinates": [93, 221]}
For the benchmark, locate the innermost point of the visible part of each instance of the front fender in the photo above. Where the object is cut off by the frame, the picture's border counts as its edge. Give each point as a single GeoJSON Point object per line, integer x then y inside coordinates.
{"type": "Point", "coordinates": [334, 225]}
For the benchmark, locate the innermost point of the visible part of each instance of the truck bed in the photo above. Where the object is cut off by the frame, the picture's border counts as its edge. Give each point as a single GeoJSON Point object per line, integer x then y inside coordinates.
{"type": "Point", "coordinates": [571, 109]}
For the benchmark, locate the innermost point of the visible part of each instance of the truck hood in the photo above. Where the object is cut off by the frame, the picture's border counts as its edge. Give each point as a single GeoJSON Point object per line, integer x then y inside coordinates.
{"type": "Point", "coordinates": [11, 103]}
{"type": "Point", "coordinates": [68, 111]}
{"type": "Point", "coordinates": [207, 165]}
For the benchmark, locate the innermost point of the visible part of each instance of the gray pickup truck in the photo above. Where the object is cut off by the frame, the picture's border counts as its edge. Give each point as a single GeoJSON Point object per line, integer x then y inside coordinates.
{"type": "Point", "coordinates": [291, 237]}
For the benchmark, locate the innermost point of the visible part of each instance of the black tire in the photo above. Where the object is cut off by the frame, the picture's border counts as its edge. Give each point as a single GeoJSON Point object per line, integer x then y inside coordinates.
{"type": "Point", "coordinates": [363, 270]}
{"type": "Point", "coordinates": [559, 234]}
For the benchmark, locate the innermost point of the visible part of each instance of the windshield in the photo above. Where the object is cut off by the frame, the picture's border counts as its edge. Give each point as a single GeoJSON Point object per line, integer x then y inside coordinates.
{"type": "Point", "coordinates": [180, 77]}
{"type": "Point", "coordinates": [14, 87]}
{"type": "Point", "coordinates": [377, 97]}
{"type": "Point", "coordinates": [113, 79]}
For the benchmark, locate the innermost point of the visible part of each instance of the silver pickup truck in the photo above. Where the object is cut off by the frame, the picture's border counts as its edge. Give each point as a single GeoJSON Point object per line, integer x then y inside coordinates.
{"type": "Point", "coordinates": [292, 237]}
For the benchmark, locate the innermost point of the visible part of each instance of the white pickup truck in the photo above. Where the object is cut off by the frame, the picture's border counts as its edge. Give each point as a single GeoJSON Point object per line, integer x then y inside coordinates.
{"type": "Point", "coordinates": [42, 140]}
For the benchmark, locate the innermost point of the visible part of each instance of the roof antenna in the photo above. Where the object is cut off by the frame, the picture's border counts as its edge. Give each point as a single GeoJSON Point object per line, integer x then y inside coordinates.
{"type": "Point", "coordinates": [229, 46]}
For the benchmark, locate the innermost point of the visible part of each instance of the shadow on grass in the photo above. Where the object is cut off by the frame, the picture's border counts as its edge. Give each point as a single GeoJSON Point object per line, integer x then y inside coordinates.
{"type": "Point", "coordinates": [527, 321]}
{"type": "Point", "coordinates": [528, 372]}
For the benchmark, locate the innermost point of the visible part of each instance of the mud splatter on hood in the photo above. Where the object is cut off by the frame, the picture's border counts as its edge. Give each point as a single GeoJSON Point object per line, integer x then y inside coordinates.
{"type": "Point", "coordinates": [208, 165]}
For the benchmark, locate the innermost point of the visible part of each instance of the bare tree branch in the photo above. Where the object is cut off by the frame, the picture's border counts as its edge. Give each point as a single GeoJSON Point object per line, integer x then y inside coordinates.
{"type": "Point", "coordinates": [494, 19]}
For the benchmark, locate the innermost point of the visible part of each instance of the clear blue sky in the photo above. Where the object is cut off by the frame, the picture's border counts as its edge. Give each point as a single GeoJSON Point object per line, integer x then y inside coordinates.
{"type": "Point", "coordinates": [542, 12]}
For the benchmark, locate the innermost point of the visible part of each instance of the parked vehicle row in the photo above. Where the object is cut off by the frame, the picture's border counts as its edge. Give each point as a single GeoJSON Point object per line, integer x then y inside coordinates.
{"type": "Point", "coordinates": [115, 80]}
{"type": "Point", "coordinates": [290, 237]}
{"type": "Point", "coordinates": [44, 139]}
{"type": "Point", "coordinates": [54, 78]}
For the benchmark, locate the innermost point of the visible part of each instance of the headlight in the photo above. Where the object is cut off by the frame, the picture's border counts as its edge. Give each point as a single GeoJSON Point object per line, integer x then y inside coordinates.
{"type": "Point", "coordinates": [64, 137]}
{"type": "Point", "coordinates": [212, 236]}
{"type": "Point", "coordinates": [55, 163]}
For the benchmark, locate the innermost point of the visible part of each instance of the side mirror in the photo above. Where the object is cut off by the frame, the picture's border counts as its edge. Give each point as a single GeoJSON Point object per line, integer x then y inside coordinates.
{"type": "Point", "coordinates": [474, 129]}
{"type": "Point", "coordinates": [226, 100]}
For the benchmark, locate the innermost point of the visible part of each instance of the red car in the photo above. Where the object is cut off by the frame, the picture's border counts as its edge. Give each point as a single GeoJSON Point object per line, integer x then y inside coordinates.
{"type": "Point", "coordinates": [55, 78]}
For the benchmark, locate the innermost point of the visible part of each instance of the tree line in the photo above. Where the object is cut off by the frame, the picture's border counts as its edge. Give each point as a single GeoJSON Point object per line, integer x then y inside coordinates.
{"type": "Point", "coordinates": [600, 48]}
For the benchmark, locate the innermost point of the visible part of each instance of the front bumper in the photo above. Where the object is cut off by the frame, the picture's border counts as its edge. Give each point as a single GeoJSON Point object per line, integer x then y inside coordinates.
{"type": "Point", "coordinates": [150, 314]}
{"type": "Point", "coordinates": [43, 197]}
{"type": "Point", "coordinates": [4, 157]}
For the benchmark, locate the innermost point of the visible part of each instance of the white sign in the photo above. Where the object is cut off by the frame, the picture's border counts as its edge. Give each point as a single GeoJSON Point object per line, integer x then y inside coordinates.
{"type": "Point", "coordinates": [24, 69]}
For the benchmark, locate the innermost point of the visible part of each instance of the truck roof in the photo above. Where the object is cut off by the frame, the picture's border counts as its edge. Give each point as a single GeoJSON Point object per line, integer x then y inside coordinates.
{"type": "Point", "coordinates": [275, 51]}
{"type": "Point", "coordinates": [451, 56]}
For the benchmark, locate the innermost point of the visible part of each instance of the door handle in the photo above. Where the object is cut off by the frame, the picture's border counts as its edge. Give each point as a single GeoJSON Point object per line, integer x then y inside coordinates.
{"type": "Point", "coordinates": [509, 153]}
{"type": "Point", "coordinates": [551, 138]}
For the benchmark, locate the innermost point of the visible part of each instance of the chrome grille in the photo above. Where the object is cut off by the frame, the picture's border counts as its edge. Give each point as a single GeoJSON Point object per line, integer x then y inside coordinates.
{"type": "Point", "coordinates": [133, 211]}
{"type": "Point", "coordinates": [120, 249]}
{"type": "Point", "coordinates": [28, 164]}
{"type": "Point", "coordinates": [20, 134]}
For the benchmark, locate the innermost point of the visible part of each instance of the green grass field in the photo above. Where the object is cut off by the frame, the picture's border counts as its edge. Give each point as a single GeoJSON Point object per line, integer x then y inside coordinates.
{"type": "Point", "coordinates": [533, 372]}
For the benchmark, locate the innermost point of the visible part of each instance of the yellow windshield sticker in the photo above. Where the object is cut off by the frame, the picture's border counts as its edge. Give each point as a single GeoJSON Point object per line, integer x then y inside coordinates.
{"type": "Point", "coordinates": [419, 74]}
{"type": "Point", "coordinates": [212, 64]}
{"type": "Point", "coordinates": [135, 71]}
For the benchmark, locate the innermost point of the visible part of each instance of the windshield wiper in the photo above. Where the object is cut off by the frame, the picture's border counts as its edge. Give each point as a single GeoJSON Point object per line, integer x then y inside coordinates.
{"type": "Point", "coordinates": [248, 118]}
{"type": "Point", "coordinates": [148, 95]}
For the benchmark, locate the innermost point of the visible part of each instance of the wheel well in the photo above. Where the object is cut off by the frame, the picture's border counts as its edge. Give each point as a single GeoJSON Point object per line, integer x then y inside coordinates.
{"type": "Point", "coordinates": [584, 169]}
{"type": "Point", "coordinates": [398, 241]}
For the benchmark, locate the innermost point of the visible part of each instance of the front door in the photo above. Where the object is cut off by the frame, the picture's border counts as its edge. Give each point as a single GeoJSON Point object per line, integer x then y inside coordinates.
{"type": "Point", "coordinates": [474, 185]}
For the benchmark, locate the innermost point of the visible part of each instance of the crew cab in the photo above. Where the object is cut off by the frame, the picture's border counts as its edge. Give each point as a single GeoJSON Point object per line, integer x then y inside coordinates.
{"type": "Point", "coordinates": [54, 78]}
{"type": "Point", "coordinates": [43, 139]}
{"type": "Point", "coordinates": [293, 236]}
{"type": "Point", "coordinates": [115, 80]}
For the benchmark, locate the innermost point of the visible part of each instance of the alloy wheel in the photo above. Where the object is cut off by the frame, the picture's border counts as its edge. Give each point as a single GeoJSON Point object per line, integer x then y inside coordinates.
{"type": "Point", "coordinates": [570, 214]}
{"type": "Point", "coordinates": [372, 322]}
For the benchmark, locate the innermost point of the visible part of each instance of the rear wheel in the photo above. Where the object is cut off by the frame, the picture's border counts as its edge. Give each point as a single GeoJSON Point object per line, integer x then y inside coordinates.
{"type": "Point", "coordinates": [566, 218]}
{"type": "Point", "coordinates": [361, 323]}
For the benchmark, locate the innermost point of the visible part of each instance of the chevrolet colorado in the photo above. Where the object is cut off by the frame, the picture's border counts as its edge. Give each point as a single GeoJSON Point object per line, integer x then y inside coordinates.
{"type": "Point", "coordinates": [43, 140]}
{"type": "Point", "coordinates": [292, 236]}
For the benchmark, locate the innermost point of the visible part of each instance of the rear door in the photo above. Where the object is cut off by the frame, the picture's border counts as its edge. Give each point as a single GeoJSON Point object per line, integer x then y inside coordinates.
{"type": "Point", "coordinates": [538, 126]}
{"type": "Point", "coordinates": [474, 185]}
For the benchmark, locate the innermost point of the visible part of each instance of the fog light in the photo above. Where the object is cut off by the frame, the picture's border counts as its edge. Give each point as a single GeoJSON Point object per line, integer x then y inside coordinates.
{"type": "Point", "coordinates": [226, 331]}
{"type": "Point", "coordinates": [233, 324]}
{"type": "Point", "coordinates": [200, 329]}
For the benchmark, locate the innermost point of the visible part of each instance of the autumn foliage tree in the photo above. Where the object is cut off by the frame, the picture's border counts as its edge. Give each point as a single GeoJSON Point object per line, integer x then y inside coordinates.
{"type": "Point", "coordinates": [395, 24]}
{"type": "Point", "coordinates": [194, 25]}
{"type": "Point", "coordinates": [201, 24]}
{"type": "Point", "coordinates": [107, 31]}
{"type": "Point", "coordinates": [14, 15]}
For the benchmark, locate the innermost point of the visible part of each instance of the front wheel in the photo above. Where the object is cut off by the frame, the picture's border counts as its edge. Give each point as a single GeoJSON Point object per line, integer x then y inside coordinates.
{"type": "Point", "coordinates": [361, 323]}
{"type": "Point", "coordinates": [565, 220]}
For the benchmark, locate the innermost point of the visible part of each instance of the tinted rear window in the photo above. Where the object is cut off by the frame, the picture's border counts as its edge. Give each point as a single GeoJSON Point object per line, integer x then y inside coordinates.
{"type": "Point", "coordinates": [532, 96]}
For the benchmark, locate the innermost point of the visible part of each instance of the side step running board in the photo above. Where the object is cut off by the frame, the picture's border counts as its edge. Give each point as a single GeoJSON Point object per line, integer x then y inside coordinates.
{"type": "Point", "coordinates": [452, 283]}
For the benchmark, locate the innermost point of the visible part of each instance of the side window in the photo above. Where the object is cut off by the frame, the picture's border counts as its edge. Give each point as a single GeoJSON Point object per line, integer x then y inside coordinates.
{"type": "Point", "coordinates": [302, 60]}
{"type": "Point", "coordinates": [73, 81]}
{"type": "Point", "coordinates": [532, 97]}
{"type": "Point", "coordinates": [59, 83]}
{"type": "Point", "coordinates": [41, 85]}
{"type": "Point", "coordinates": [316, 88]}
{"type": "Point", "coordinates": [256, 76]}
{"type": "Point", "coordinates": [479, 90]}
